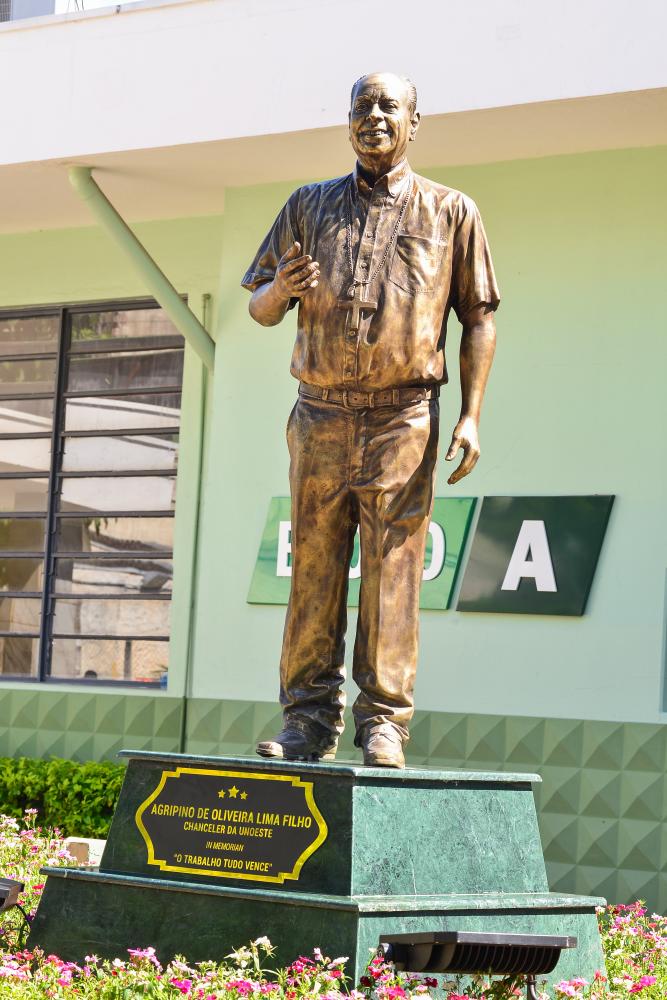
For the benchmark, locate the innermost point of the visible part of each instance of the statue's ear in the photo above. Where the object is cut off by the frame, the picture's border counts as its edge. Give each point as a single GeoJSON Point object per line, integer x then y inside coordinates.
{"type": "Point", "coordinates": [414, 125]}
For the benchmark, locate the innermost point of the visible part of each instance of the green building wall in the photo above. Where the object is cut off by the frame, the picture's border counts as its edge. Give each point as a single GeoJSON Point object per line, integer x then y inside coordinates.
{"type": "Point", "coordinates": [575, 405]}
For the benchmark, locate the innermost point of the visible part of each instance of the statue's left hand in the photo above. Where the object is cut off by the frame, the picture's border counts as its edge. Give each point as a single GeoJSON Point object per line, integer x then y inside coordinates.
{"type": "Point", "coordinates": [465, 436]}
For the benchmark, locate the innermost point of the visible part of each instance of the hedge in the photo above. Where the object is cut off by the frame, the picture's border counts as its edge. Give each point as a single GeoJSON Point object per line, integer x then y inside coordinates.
{"type": "Point", "coordinates": [78, 798]}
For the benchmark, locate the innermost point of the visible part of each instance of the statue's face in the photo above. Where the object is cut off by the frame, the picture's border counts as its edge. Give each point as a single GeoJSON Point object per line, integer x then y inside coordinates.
{"type": "Point", "coordinates": [381, 120]}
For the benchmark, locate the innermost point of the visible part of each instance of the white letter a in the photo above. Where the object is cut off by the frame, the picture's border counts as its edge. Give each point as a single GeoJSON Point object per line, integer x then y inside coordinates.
{"type": "Point", "coordinates": [532, 542]}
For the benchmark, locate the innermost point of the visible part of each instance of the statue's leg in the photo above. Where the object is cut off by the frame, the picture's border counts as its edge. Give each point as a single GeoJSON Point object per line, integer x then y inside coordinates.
{"type": "Point", "coordinates": [394, 487]}
{"type": "Point", "coordinates": [323, 528]}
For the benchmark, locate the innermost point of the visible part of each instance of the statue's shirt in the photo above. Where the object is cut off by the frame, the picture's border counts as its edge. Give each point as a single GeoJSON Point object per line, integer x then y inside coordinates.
{"type": "Point", "coordinates": [424, 248]}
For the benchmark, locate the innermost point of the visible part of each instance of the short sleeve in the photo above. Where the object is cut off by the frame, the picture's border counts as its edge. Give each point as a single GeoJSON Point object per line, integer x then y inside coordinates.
{"type": "Point", "coordinates": [283, 233]}
{"type": "Point", "coordinates": [473, 279]}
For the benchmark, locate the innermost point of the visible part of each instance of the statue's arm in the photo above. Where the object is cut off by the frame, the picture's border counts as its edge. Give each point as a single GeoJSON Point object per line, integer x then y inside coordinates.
{"type": "Point", "coordinates": [478, 344]}
{"type": "Point", "coordinates": [295, 275]}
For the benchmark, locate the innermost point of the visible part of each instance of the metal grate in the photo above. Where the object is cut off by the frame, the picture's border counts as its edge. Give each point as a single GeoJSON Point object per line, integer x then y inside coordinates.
{"type": "Point", "coordinates": [5, 10]}
{"type": "Point", "coordinates": [464, 952]}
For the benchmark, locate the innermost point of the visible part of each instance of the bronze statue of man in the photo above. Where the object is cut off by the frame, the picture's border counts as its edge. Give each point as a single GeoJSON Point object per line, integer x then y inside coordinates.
{"type": "Point", "coordinates": [375, 260]}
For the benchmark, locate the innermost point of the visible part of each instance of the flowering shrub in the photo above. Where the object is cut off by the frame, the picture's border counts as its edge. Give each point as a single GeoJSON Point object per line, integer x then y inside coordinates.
{"type": "Point", "coordinates": [24, 849]}
{"type": "Point", "coordinates": [635, 945]}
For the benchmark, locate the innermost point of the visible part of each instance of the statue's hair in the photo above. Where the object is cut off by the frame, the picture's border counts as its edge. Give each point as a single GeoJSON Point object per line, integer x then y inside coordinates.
{"type": "Point", "coordinates": [412, 90]}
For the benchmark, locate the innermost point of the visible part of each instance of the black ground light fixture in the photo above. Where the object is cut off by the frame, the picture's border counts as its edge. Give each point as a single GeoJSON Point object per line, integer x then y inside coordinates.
{"type": "Point", "coordinates": [470, 952]}
{"type": "Point", "coordinates": [10, 890]}
{"type": "Point", "coordinates": [9, 893]}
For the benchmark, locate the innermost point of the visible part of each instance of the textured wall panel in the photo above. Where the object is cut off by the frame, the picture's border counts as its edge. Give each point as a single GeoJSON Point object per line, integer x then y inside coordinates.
{"type": "Point", "coordinates": [39, 722]}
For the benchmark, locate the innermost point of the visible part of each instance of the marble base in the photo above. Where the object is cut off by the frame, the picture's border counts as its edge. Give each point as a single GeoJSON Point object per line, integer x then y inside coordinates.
{"type": "Point", "coordinates": [406, 851]}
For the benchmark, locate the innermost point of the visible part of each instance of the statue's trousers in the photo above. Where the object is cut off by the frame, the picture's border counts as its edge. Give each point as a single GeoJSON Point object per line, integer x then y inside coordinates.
{"type": "Point", "coordinates": [372, 467]}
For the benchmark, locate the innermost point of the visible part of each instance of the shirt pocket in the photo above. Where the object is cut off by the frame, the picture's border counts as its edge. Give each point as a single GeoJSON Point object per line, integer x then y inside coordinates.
{"type": "Point", "coordinates": [416, 262]}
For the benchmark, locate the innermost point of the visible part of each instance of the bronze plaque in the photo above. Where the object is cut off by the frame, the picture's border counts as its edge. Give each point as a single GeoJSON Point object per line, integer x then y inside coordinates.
{"type": "Point", "coordinates": [231, 824]}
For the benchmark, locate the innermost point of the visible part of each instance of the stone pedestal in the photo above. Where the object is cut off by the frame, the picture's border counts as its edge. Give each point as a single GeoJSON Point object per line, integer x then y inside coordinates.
{"type": "Point", "coordinates": [205, 854]}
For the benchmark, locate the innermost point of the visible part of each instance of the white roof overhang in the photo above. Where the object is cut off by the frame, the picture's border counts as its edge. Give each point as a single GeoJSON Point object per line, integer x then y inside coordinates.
{"type": "Point", "coordinates": [190, 179]}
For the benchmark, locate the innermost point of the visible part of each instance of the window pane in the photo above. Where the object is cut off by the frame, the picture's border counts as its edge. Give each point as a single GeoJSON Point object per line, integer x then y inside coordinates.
{"type": "Point", "coordinates": [110, 413]}
{"type": "Point", "coordinates": [110, 659]}
{"type": "Point", "coordinates": [35, 335]}
{"type": "Point", "coordinates": [136, 369]}
{"type": "Point", "coordinates": [111, 329]}
{"type": "Point", "coordinates": [21, 535]}
{"type": "Point", "coordinates": [27, 376]}
{"type": "Point", "coordinates": [115, 534]}
{"type": "Point", "coordinates": [21, 574]}
{"type": "Point", "coordinates": [112, 617]}
{"type": "Point", "coordinates": [18, 656]}
{"type": "Point", "coordinates": [113, 576]}
{"type": "Point", "coordinates": [20, 614]}
{"type": "Point", "coordinates": [25, 454]}
{"type": "Point", "coordinates": [139, 451]}
{"type": "Point", "coordinates": [23, 416]}
{"type": "Point", "coordinates": [119, 493]}
{"type": "Point", "coordinates": [23, 494]}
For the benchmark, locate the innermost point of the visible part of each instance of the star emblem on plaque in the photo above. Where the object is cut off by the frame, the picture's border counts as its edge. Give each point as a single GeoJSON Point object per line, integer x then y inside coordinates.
{"type": "Point", "coordinates": [231, 824]}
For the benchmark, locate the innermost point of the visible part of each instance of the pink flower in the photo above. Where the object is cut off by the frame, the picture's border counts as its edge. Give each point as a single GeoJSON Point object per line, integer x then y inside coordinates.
{"type": "Point", "coordinates": [183, 985]}
{"type": "Point", "coordinates": [642, 983]}
{"type": "Point", "coordinates": [141, 952]}
{"type": "Point", "coordinates": [242, 986]}
{"type": "Point", "coordinates": [394, 991]}
{"type": "Point", "coordinates": [12, 970]}
{"type": "Point", "coordinates": [144, 955]}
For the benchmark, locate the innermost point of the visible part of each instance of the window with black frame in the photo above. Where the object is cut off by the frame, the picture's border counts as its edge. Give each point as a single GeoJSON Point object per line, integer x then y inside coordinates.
{"type": "Point", "coordinates": [89, 422]}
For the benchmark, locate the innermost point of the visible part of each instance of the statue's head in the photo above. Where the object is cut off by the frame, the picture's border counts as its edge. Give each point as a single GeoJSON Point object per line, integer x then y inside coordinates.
{"type": "Point", "coordinates": [383, 118]}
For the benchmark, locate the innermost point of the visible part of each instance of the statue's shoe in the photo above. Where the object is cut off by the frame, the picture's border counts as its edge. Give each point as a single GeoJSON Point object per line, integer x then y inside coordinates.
{"type": "Point", "coordinates": [294, 743]}
{"type": "Point", "coordinates": [383, 748]}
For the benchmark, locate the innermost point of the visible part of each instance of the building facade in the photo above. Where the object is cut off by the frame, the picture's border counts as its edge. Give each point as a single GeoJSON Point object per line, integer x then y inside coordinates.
{"type": "Point", "coordinates": [137, 482]}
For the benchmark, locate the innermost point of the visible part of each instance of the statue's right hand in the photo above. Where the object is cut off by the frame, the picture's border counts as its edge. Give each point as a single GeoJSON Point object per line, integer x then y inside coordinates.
{"type": "Point", "coordinates": [296, 274]}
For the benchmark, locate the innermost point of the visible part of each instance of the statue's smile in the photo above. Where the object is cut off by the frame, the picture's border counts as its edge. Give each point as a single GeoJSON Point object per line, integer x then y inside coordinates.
{"type": "Point", "coordinates": [374, 133]}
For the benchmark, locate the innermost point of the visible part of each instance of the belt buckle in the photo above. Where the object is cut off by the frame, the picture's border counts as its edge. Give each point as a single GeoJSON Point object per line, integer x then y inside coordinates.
{"type": "Point", "coordinates": [344, 398]}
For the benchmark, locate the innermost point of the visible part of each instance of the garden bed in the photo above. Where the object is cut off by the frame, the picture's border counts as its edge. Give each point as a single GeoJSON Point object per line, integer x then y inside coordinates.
{"type": "Point", "coordinates": [635, 945]}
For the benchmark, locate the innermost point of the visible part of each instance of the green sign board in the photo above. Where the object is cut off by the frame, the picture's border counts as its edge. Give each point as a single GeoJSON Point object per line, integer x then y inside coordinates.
{"type": "Point", "coordinates": [446, 539]}
{"type": "Point", "coordinates": [535, 555]}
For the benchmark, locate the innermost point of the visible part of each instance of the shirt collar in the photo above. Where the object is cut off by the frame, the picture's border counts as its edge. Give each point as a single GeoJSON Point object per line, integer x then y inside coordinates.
{"type": "Point", "coordinates": [392, 181]}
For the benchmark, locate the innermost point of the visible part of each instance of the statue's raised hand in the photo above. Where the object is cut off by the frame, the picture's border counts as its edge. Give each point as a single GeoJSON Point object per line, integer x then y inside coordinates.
{"type": "Point", "coordinates": [296, 274]}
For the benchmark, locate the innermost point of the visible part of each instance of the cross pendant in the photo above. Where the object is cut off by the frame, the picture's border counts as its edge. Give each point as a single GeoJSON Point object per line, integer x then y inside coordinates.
{"type": "Point", "coordinates": [356, 305]}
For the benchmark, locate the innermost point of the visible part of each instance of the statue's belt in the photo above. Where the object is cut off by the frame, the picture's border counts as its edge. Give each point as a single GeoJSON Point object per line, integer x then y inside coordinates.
{"type": "Point", "coordinates": [381, 397]}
